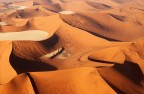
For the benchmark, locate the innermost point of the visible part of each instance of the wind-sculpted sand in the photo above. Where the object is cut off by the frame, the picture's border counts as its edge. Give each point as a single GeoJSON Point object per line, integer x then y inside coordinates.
{"type": "Point", "coordinates": [72, 47]}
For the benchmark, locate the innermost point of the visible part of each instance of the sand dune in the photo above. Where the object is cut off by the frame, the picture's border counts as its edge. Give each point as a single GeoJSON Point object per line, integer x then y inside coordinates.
{"type": "Point", "coordinates": [109, 55]}
{"type": "Point", "coordinates": [26, 14]}
{"type": "Point", "coordinates": [71, 47]}
{"type": "Point", "coordinates": [71, 79]}
{"type": "Point", "coordinates": [21, 84]}
{"type": "Point", "coordinates": [96, 24]}
{"type": "Point", "coordinates": [121, 82]}
{"type": "Point", "coordinates": [6, 70]}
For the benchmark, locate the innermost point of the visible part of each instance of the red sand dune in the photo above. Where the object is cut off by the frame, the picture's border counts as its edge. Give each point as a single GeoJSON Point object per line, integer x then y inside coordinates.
{"type": "Point", "coordinates": [92, 47]}
{"type": "Point", "coordinates": [71, 81]}
{"type": "Point", "coordinates": [6, 71]}
{"type": "Point", "coordinates": [19, 85]}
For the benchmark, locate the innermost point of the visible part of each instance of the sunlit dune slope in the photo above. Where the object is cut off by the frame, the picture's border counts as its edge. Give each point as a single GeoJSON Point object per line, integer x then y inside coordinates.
{"type": "Point", "coordinates": [6, 71]}
{"type": "Point", "coordinates": [71, 81]}
{"type": "Point", "coordinates": [19, 85]}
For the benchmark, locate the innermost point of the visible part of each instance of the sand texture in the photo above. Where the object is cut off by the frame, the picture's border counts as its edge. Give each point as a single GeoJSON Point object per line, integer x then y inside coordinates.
{"type": "Point", "coordinates": [71, 47]}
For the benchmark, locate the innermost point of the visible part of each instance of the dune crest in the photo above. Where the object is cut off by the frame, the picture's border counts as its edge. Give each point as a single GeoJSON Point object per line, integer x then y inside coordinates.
{"type": "Point", "coordinates": [71, 77]}
{"type": "Point", "coordinates": [6, 70]}
{"type": "Point", "coordinates": [19, 85]}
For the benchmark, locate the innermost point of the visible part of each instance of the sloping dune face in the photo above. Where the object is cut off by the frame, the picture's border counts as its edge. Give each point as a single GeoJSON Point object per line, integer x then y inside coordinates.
{"type": "Point", "coordinates": [5, 68]}
{"type": "Point", "coordinates": [71, 47]}
{"type": "Point", "coordinates": [72, 77]}
{"type": "Point", "coordinates": [19, 85]}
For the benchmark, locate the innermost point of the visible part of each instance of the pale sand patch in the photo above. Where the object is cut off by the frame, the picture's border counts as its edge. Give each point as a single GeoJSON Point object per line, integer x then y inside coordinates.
{"type": "Point", "coordinates": [22, 7]}
{"type": "Point", "coordinates": [18, 7]}
{"type": "Point", "coordinates": [49, 55]}
{"type": "Point", "coordinates": [31, 35]}
{"type": "Point", "coordinates": [3, 23]}
{"type": "Point", "coordinates": [67, 12]}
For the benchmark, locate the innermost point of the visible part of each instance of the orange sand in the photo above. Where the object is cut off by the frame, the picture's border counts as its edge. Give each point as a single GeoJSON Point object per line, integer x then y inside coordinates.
{"type": "Point", "coordinates": [78, 47]}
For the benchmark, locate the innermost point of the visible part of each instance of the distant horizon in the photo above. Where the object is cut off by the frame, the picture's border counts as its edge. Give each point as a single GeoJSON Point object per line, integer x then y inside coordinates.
{"type": "Point", "coordinates": [8, 1]}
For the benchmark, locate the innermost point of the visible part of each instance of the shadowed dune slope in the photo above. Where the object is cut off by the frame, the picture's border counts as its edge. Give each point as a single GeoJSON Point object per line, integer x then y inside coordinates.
{"type": "Point", "coordinates": [121, 83]}
{"type": "Point", "coordinates": [95, 23]}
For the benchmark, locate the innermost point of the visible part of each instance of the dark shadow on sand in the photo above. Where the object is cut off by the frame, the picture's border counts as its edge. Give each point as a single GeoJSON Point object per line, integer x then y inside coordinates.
{"type": "Point", "coordinates": [131, 71]}
{"type": "Point", "coordinates": [23, 66]}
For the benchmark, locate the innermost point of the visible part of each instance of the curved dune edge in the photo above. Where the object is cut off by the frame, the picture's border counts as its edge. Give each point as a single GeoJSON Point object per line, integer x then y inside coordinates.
{"type": "Point", "coordinates": [31, 35]}
{"type": "Point", "coordinates": [21, 84]}
{"type": "Point", "coordinates": [122, 82]}
{"type": "Point", "coordinates": [109, 55]}
{"type": "Point", "coordinates": [69, 81]}
{"type": "Point", "coordinates": [95, 23]}
{"type": "Point", "coordinates": [6, 71]}
{"type": "Point", "coordinates": [16, 22]}
{"type": "Point", "coordinates": [47, 23]}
